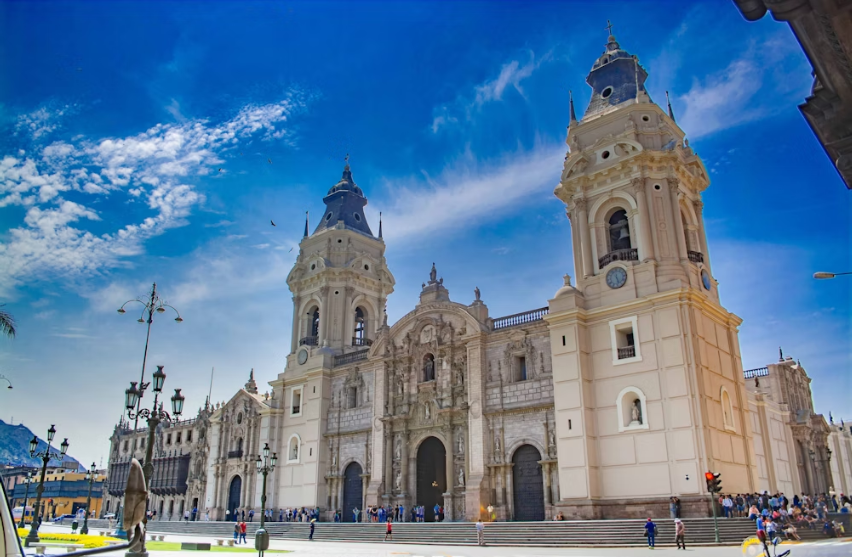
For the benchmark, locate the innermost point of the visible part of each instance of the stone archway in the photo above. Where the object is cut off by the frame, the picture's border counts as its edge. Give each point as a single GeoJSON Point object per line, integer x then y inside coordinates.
{"type": "Point", "coordinates": [431, 476]}
{"type": "Point", "coordinates": [234, 497]}
{"type": "Point", "coordinates": [527, 484]}
{"type": "Point", "coordinates": [353, 491]}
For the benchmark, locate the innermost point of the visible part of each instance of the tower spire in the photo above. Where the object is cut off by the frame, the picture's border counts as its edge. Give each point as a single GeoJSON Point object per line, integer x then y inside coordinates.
{"type": "Point", "coordinates": [306, 224]}
{"type": "Point", "coordinates": [380, 224]}
{"type": "Point", "coordinates": [669, 104]}
{"type": "Point", "coordinates": [573, 116]}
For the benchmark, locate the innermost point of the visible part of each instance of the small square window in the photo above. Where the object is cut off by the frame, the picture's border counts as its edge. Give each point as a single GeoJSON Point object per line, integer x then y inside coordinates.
{"type": "Point", "coordinates": [625, 342]}
{"type": "Point", "coordinates": [189, 436]}
{"type": "Point", "coordinates": [177, 439]}
{"type": "Point", "coordinates": [169, 439]}
{"type": "Point", "coordinates": [296, 401]}
{"type": "Point", "coordinates": [520, 368]}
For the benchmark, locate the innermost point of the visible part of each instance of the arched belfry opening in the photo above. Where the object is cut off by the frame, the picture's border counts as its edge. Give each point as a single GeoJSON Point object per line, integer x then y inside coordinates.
{"type": "Point", "coordinates": [431, 475]}
{"type": "Point", "coordinates": [619, 231]}
{"type": "Point", "coordinates": [359, 335]}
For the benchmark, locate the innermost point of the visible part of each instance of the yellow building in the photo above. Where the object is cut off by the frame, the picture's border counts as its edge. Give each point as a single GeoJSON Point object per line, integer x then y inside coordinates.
{"type": "Point", "coordinates": [65, 492]}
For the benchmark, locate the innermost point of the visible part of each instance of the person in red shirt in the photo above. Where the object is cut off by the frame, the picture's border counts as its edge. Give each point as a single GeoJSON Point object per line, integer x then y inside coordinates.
{"type": "Point", "coordinates": [243, 531]}
{"type": "Point", "coordinates": [389, 532]}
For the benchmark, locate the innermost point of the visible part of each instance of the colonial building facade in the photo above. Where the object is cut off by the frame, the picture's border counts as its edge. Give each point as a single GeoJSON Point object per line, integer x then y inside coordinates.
{"type": "Point", "coordinates": [616, 395]}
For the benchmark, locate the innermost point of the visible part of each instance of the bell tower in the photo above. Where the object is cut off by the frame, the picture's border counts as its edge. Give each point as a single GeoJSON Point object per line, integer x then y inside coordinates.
{"type": "Point", "coordinates": [340, 283]}
{"type": "Point", "coordinates": [649, 390]}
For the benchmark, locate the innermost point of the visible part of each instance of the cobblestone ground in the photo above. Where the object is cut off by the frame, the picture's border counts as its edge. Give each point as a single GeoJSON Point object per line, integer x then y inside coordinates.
{"type": "Point", "coordinates": [830, 548]}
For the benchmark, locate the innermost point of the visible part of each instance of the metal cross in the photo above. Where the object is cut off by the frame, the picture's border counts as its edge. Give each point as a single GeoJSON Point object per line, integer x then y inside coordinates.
{"type": "Point", "coordinates": [346, 158]}
{"type": "Point", "coordinates": [608, 26]}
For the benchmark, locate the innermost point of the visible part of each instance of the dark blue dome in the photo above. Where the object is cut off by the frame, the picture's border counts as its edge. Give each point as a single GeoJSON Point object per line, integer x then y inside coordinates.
{"type": "Point", "coordinates": [346, 184]}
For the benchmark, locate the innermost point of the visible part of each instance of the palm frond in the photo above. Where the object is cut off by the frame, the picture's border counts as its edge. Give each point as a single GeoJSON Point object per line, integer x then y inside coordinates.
{"type": "Point", "coordinates": [7, 323]}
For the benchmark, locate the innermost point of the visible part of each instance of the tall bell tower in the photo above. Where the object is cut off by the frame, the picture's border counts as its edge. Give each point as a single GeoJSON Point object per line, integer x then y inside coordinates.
{"type": "Point", "coordinates": [340, 283]}
{"type": "Point", "coordinates": [649, 390]}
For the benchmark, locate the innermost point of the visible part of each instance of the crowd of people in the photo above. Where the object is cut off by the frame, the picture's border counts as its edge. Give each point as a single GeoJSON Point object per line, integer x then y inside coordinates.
{"type": "Point", "coordinates": [775, 515]}
{"type": "Point", "coordinates": [288, 514]}
{"type": "Point", "coordinates": [396, 513]}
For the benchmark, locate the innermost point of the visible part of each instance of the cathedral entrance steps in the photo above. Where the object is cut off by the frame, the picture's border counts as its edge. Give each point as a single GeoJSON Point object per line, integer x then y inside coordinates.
{"type": "Point", "coordinates": [568, 533]}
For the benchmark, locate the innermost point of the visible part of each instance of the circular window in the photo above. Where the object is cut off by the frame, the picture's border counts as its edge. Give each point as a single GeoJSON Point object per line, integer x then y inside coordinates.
{"type": "Point", "coordinates": [339, 241]}
{"type": "Point", "coordinates": [606, 92]}
{"type": "Point", "coordinates": [656, 186]}
{"type": "Point", "coordinates": [240, 418]}
{"type": "Point", "coordinates": [328, 216]}
{"type": "Point", "coordinates": [366, 267]}
{"type": "Point", "coordinates": [646, 118]}
{"type": "Point", "coordinates": [605, 155]}
{"type": "Point", "coordinates": [357, 217]}
{"type": "Point", "coordinates": [336, 292]}
{"type": "Point", "coordinates": [313, 266]}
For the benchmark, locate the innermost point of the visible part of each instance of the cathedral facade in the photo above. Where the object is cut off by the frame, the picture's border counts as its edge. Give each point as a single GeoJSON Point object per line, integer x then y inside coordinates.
{"type": "Point", "coordinates": [618, 393]}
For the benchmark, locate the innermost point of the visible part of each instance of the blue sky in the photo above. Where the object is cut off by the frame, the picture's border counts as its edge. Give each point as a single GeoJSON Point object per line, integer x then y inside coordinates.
{"type": "Point", "coordinates": [117, 118]}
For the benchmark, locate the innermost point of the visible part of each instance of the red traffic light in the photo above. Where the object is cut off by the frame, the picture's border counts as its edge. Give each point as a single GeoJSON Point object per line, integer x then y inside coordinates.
{"type": "Point", "coordinates": [709, 476]}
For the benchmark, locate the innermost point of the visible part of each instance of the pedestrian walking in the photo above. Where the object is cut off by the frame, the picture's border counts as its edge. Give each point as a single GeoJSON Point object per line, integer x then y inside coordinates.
{"type": "Point", "coordinates": [251, 515]}
{"type": "Point", "coordinates": [186, 516]}
{"type": "Point", "coordinates": [207, 515]}
{"type": "Point", "coordinates": [237, 532]}
{"type": "Point", "coordinates": [679, 532]}
{"type": "Point", "coordinates": [480, 532]}
{"type": "Point", "coordinates": [650, 532]}
{"type": "Point", "coordinates": [311, 535]}
{"type": "Point", "coordinates": [389, 531]}
{"type": "Point", "coordinates": [243, 532]}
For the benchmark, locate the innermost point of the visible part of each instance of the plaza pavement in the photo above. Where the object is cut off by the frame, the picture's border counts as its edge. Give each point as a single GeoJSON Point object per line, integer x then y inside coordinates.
{"type": "Point", "coordinates": [828, 548]}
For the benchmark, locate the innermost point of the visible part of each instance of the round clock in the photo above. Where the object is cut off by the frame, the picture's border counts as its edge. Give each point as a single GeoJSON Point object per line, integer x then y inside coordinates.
{"type": "Point", "coordinates": [705, 278]}
{"type": "Point", "coordinates": [303, 356]}
{"type": "Point", "coordinates": [616, 277]}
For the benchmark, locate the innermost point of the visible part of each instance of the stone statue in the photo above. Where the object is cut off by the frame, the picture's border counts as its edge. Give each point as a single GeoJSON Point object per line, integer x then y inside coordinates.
{"type": "Point", "coordinates": [397, 480]}
{"type": "Point", "coordinates": [433, 274]}
{"type": "Point", "coordinates": [461, 443]}
{"type": "Point", "coordinates": [398, 449]}
{"type": "Point", "coordinates": [427, 408]}
{"type": "Point", "coordinates": [429, 370]}
{"type": "Point", "coordinates": [636, 412]}
{"type": "Point", "coordinates": [496, 443]}
{"type": "Point", "coordinates": [295, 452]}
{"type": "Point", "coordinates": [461, 476]}
{"type": "Point", "coordinates": [400, 385]}
{"type": "Point", "coordinates": [334, 461]}
{"type": "Point", "coordinates": [552, 437]}
{"type": "Point", "coordinates": [476, 293]}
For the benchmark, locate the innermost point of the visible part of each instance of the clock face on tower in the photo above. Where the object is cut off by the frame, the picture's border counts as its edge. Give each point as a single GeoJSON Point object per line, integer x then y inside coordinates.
{"type": "Point", "coordinates": [616, 277]}
{"type": "Point", "coordinates": [303, 356]}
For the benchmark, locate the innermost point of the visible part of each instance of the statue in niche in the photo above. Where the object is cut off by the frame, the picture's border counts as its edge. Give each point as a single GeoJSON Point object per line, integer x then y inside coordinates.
{"type": "Point", "coordinates": [496, 443]}
{"type": "Point", "coordinates": [334, 461]}
{"type": "Point", "coordinates": [461, 442]}
{"type": "Point", "coordinates": [461, 477]}
{"type": "Point", "coordinates": [427, 411]}
{"type": "Point", "coordinates": [636, 412]}
{"type": "Point", "coordinates": [398, 449]}
{"type": "Point", "coordinates": [400, 385]}
{"type": "Point", "coordinates": [551, 435]}
{"type": "Point", "coordinates": [397, 481]}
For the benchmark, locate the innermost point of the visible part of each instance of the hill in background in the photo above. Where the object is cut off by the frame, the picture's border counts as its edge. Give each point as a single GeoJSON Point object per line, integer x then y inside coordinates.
{"type": "Point", "coordinates": [15, 448]}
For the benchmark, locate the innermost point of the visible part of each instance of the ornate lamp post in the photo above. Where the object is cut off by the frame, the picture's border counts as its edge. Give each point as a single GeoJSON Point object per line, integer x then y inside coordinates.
{"type": "Point", "coordinates": [45, 457]}
{"type": "Point", "coordinates": [27, 481]}
{"type": "Point", "coordinates": [265, 465]}
{"type": "Point", "coordinates": [91, 474]}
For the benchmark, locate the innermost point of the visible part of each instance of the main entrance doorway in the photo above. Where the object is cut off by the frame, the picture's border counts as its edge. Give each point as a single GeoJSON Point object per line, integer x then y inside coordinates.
{"type": "Point", "coordinates": [234, 497]}
{"type": "Point", "coordinates": [527, 484]}
{"type": "Point", "coordinates": [353, 491]}
{"type": "Point", "coordinates": [431, 476]}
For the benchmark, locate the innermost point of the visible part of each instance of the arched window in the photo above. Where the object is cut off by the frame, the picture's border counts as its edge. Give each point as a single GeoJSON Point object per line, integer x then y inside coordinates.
{"type": "Point", "coordinates": [359, 335]}
{"type": "Point", "coordinates": [294, 449]}
{"type": "Point", "coordinates": [632, 409]}
{"type": "Point", "coordinates": [352, 397]}
{"type": "Point", "coordinates": [619, 231]}
{"type": "Point", "coordinates": [428, 367]}
{"type": "Point", "coordinates": [315, 322]}
{"type": "Point", "coordinates": [240, 444]}
{"type": "Point", "coordinates": [727, 410]}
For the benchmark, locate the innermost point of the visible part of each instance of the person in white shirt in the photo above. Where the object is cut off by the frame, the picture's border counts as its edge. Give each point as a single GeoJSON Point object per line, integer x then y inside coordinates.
{"type": "Point", "coordinates": [728, 505]}
{"type": "Point", "coordinates": [480, 532]}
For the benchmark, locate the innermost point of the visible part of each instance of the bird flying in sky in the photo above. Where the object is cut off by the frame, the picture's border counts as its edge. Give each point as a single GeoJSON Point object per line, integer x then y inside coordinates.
{"type": "Point", "coordinates": [272, 221]}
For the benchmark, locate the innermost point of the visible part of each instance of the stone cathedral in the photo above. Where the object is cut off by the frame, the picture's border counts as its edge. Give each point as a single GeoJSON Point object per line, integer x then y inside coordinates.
{"type": "Point", "coordinates": [615, 395]}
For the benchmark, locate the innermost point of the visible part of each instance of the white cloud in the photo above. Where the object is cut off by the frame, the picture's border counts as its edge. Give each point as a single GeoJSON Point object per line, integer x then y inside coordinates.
{"type": "Point", "coordinates": [467, 194]}
{"type": "Point", "coordinates": [156, 166]}
{"type": "Point", "coordinates": [465, 106]}
{"type": "Point", "coordinates": [762, 82]}
{"type": "Point", "coordinates": [44, 120]}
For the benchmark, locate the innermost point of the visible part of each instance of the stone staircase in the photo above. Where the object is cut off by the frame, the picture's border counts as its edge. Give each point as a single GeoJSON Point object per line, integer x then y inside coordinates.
{"type": "Point", "coordinates": [699, 531]}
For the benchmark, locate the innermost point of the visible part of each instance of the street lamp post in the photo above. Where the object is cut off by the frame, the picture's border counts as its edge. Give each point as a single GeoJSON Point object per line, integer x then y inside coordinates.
{"type": "Point", "coordinates": [154, 416]}
{"type": "Point", "coordinates": [27, 481]}
{"type": "Point", "coordinates": [90, 476]}
{"type": "Point", "coordinates": [265, 465]}
{"type": "Point", "coordinates": [45, 457]}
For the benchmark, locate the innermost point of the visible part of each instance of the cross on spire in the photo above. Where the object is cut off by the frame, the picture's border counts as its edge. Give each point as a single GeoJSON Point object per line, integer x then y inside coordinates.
{"type": "Point", "coordinates": [346, 159]}
{"type": "Point", "coordinates": [609, 27]}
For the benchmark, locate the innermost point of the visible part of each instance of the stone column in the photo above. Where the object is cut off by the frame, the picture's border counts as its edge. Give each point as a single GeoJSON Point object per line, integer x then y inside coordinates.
{"type": "Point", "coordinates": [365, 480]}
{"type": "Point", "coordinates": [811, 488]}
{"type": "Point", "coordinates": [678, 220]}
{"type": "Point", "coordinates": [325, 317]}
{"type": "Point", "coordinates": [585, 240]}
{"type": "Point", "coordinates": [646, 245]}
{"type": "Point", "coordinates": [510, 492]}
{"type": "Point", "coordinates": [545, 473]}
{"type": "Point", "coordinates": [702, 234]}
{"type": "Point", "coordinates": [297, 324]}
{"type": "Point", "coordinates": [348, 332]}
{"type": "Point", "coordinates": [451, 472]}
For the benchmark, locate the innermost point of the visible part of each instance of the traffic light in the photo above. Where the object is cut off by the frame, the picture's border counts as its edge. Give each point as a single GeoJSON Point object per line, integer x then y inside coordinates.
{"type": "Point", "coordinates": [714, 483]}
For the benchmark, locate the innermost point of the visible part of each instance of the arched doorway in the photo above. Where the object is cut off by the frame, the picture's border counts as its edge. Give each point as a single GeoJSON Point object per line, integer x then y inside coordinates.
{"type": "Point", "coordinates": [353, 487]}
{"type": "Point", "coordinates": [527, 484]}
{"type": "Point", "coordinates": [431, 476]}
{"type": "Point", "coordinates": [234, 497]}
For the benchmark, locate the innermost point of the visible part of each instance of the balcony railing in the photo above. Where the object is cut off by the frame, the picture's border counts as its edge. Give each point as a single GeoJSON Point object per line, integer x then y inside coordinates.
{"type": "Point", "coordinates": [362, 341]}
{"type": "Point", "coordinates": [352, 357]}
{"type": "Point", "coordinates": [631, 254]}
{"type": "Point", "coordinates": [758, 372]}
{"type": "Point", "coordinates": [519, 318]}
{"type": "Point", "coordinates": [626, 352]}
{"type": "Point", "coordinates": [695, 256]}
{"type": "Point", "coordinates": [235, 454]}
{"type": "Point", "coordinates": [309, 341]}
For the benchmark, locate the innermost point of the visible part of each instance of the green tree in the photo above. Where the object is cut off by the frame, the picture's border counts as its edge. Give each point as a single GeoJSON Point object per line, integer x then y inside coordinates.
{"type": "Point", "coordinates": [7, 323]}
